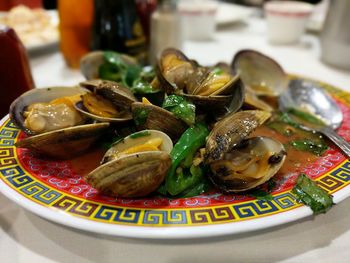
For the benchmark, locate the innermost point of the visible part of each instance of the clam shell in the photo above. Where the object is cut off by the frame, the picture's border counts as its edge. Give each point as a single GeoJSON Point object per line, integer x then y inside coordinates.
{"type": "Point", "coordinates": [159, 119]}
{"type": "Point", "coordinates": [260, 72]}
{"type": "Point", "coordinates": [174, 84]}
{"type": "Point", "coordinates": [64, 143]}
{"type": "Point", "coordinates": [268, 156]}
{"type": "Point", "coordinates": [137, 139]}
{"type": "Point", "coordinates": [119, 95]}
{"type": "Point", "coordinates": [113, 91]}
{"type": "Point", "coordinates": [231, 130]}
{"type": "Point", "coordinates": [18, 106]}
{"type": "Point", "coordinates": [126, 116]}
{"type": "Point", "coordinates": [132, 175]}
{"type": "Point", "coordinates": [220, 105]}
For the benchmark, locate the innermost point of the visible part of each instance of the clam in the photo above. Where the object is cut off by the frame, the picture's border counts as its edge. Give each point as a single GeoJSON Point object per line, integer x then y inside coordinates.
{"type": "Point", "coordinates": [226, 98]}
{"type": "Point", "coordinates": [134, 166]}
{"type": "Point", "coordinates": [174, 69]}
{"type": "Point", "coordinates": [238, 164]}
{"type": "Point", "coordinates": [232, 129]}
{"type": "Point", "coordinates": [63, 140]}
{"type": "Point", "coordinates": [248, 165]}
{"type": "Point", "coordinates": [260, 73]}
{"type": "Point", "coordinates": [108, 102]}
{"type": "Point", "coordinates": [213, 89]}
{"type": "Point", "coordinates": [149, 116]}
{"type": "Point", "coordinates": [90, 63]}
{"type": "Point", "coordinates": [60, 113]}
{"type": "Point", "coordinates": [64, 143]}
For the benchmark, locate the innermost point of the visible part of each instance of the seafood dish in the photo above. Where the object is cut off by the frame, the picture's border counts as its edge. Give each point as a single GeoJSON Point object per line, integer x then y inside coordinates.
{"type": "Point", "coordinates": [177, 129]}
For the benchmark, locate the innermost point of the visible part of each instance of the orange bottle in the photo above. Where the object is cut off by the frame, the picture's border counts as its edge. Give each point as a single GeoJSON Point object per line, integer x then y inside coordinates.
{"type": "Point", "coordinates": [75, 29]}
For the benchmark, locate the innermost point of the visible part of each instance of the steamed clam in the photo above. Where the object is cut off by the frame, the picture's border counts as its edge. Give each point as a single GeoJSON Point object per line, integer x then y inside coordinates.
{"type": "Point", "coordinates": [56, 129]}
{"type": "Point", "coordinates": [209, 88]}
{"type": "Point", "coordinates": [43, 110]}
{"type": "Point", "coordinates": [260, 73]}
{"type": "Point", "coordinates": [237, 163]}
{"type": "Point", "coordinates": [108, 101]}
{"type": "Point", "coordinates": [263, 77]}
{"type": "Point", "coordinates": [251, 163]}
{"type": "Point", "coordinates": [174, 69]}
{"type": "Point", "coordinates": [134, 166]}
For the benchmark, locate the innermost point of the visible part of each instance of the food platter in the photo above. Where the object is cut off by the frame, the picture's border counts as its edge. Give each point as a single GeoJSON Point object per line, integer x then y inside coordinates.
{"type": "Point", "coordinates": [56, 190]}
{"type": "Point", "coordinates": [38, 30]}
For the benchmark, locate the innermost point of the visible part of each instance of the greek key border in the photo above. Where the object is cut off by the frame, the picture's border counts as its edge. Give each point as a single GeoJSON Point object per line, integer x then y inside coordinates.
{"type": "Point", "coordinates": [16, 177]}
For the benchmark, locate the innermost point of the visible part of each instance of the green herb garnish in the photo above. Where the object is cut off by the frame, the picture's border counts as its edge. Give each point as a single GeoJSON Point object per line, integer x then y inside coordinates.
{"type": "Point", "coordinates": [309, 193]}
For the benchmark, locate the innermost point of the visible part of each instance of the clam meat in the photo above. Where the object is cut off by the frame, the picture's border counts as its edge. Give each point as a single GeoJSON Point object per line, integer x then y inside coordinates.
{"type": "Point", "coordinates": [108, 101]}
{"type": "Point", "coordinates": [237, 163]}
{"type": "Point", "coordinates": [56, 129]}
{"type": "Point", "coordinates": [249, 164]}
{"type": "Point", "coordinates": [42, 110]}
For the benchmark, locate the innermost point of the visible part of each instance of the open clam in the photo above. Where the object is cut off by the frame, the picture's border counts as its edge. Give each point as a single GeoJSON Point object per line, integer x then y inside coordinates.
{"type": "Point", "coordinates": [213, 89]}
{"type": "Point", "coordinates": [57, 134]}
{"type": "Point", "coordinates": [251, 163]}
{"type": "Point", "coordinates": [174, 70]}
{"type": "Point", "coordinates": [237, 163]}
{"type": "Point", "coordinates": [134, 166]}
{"type": "Point", "coordinates": [260, 73]}
{"type": "Point", "coordinates": [108, 101]}
{"type": "Point", "coordinates": [60, 113]}
{"type": "Point", "coordinates": [216, 91]}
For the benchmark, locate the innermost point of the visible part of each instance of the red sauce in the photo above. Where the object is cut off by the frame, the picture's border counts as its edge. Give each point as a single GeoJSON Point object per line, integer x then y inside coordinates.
{"type": "Point", "coordinates": [295, 159]}
{"type": "Point", "coordinates": [15, 75]}
{"type": "Point", "coordinates": [87, 162]}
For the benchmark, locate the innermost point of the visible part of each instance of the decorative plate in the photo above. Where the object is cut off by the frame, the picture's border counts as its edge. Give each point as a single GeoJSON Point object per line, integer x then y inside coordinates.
{"type": "Point", "coordinates": [56, 191]}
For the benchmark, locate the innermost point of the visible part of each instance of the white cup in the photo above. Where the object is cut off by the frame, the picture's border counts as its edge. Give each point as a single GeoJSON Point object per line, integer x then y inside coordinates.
{"type": "Point", "coordinates": [198, 18]}
{"type": "Point", "coordinates": [286, 20]}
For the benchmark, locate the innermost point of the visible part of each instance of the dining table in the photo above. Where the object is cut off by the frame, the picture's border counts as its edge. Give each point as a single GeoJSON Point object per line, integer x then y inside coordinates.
{"type": "Point", "coordinates": [27, 237]}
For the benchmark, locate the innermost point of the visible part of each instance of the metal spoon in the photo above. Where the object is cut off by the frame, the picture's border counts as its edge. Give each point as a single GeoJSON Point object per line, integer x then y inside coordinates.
{"type": "Point", "coordinates": [307, 96]}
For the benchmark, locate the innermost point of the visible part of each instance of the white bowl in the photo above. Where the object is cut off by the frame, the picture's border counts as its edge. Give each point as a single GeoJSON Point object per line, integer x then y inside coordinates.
{"type": "Point", "coordinates": [286, 20]}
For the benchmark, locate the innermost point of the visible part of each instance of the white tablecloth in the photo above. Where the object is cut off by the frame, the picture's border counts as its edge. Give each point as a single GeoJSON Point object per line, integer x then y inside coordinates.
{"type": "Point", "coordinates": [24, 237]}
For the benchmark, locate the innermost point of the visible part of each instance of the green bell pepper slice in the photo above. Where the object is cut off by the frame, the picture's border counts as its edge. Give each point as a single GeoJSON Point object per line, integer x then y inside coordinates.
{"type": "Point", "coordinates": [190, 141]}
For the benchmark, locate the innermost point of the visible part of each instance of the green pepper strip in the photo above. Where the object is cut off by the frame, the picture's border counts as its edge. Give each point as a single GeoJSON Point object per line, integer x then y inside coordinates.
{"type": "Point", "coordinates": [308, 192]}
{"type": "Point", "coordinates": [190, 141]}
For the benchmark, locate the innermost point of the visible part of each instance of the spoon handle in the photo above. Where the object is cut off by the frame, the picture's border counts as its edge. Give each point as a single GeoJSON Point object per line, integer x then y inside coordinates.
{"type": "Point", "coordinates": [337, 139]}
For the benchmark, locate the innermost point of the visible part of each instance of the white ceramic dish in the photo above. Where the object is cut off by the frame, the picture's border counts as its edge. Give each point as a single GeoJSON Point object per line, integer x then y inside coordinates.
{"type": "Point", "coordinates": [56, 190]}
